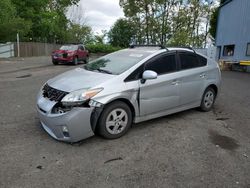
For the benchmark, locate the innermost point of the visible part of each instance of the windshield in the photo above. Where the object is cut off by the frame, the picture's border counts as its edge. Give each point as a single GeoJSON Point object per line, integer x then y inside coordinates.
{"type": "Point", "coordinates": [116, 63]}
{"type": "Point", "coordinates": [69, 47]}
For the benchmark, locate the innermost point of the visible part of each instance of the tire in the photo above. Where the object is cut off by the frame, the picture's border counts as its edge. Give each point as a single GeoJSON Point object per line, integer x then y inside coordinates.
{"type": "Point", "coordinates": [55, 62]}
{"type": "Point", "coordinates": [86, 59]}
{"type": "Point", "coordinates": [208, 100]}
{"type": "Point", "coordinates": [75, 61]}
{"type": "Point", "coordinates": [115, 120]}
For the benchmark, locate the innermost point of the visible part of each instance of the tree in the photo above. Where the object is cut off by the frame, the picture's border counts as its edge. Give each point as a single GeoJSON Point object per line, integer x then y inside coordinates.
{"type": "Point", "coordinates": [213, 23]}
{"type": "Point", "coordinates": [49, 22]}
{"type": "Point", "coordinates": [10, 24]}
{"type": "Point", "coordinates": [79, 33]}
{"type": "Point", "coordinates": [121, 33]}
{"type": "Point", "coordinates": [169, 22]}
{"type": "Point", "coordinates": [214, 20]}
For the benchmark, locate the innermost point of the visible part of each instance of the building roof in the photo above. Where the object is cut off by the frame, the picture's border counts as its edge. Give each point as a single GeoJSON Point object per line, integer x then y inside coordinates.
{"type": "Point", "coordinates": [225, 3]}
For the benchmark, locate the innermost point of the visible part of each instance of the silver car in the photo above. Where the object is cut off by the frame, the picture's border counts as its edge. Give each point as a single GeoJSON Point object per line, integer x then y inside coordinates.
{"type": "Point", "coordinates": [129, 86]}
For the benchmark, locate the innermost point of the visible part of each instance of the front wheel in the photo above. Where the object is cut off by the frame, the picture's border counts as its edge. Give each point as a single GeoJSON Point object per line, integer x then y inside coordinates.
{"type": "Point", "coordinates": [86, 59]}
{"type": "Point", "coordinates": [75, 61]}
{"type": "Point", "coordinates": [208, 99]}
{"type": "Point", "coordinates": [115, 120]}
{"type": "Point", "coordinates": [55, 62]}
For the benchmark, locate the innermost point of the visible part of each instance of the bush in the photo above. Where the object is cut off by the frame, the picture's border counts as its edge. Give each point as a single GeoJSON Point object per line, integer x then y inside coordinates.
{"type": "Point", "coordinates": [101, 48]}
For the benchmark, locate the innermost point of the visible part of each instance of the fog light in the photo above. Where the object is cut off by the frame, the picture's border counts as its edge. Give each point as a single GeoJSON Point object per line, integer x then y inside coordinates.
{"type": "Point", "coordinates": [65, 131]}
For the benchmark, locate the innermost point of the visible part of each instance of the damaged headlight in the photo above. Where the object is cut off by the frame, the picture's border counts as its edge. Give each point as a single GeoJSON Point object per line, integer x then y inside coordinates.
{"type": "Point", "coordinates": [78, 97]}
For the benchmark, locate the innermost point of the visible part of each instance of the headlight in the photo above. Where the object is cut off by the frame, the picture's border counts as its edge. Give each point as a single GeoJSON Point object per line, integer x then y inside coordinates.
{"type": "Point", "coordinates": [79, 97]}
{"type": "Point", "coordinates": [70, 53]}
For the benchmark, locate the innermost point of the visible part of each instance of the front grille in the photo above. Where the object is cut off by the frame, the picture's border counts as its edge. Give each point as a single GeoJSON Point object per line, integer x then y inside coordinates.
{"type": "Point", "coordinates": [65, 55]}
{"type": "Point", "coordinates": [53, 94]}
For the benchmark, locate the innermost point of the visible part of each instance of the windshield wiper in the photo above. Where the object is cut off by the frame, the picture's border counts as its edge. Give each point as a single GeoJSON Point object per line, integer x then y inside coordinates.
{"type": "Point", "coordinates": [104, 71]}
{"type": "Point", "coordinates": [99, 70]}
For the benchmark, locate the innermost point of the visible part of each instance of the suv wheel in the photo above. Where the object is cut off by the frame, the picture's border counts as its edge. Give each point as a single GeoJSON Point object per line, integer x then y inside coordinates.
{"type": "Point", "coordinates": [75, 61]}
{"type": "Point", "coordinates": [208, 99]}
{"type": "Point", "coordinates": [55, 62]}
{"type": "Point", "coordinates": [86, 59]}
{"type": "Point", "coordinates": [115, 120]}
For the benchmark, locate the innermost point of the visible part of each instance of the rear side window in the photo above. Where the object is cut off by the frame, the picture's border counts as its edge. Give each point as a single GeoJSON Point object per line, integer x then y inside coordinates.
{"type": "Point", "coordinates": [163, 64]}
{"type": "Point", "coordinates": [189, 61]}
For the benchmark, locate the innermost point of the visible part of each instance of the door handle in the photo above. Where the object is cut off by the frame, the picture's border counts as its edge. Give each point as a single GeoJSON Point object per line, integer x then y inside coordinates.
{"type": "Point", "coordinates": [175, 82]}
{"type": "Point", "coordinates": [203, 75]}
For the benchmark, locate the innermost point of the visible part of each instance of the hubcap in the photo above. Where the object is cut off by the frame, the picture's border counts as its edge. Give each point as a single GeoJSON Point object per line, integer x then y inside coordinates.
{"type": "Point", "coordinates": [209, 99]}
{"type": "Point", "coordinates": [116, 121]}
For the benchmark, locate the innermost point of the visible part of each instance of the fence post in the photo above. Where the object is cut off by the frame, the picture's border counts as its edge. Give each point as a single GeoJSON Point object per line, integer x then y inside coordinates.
{"type": "Point", "coordinates": [18, 45]}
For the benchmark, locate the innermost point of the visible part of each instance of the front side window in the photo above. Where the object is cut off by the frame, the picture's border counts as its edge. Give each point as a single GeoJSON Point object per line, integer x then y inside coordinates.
{"type": "Point", "coordinates": [81, 47]}
{"type": "Point", "coordinates": [135, 75]}
{"type": "Point", "coordinates": [248, 49]}
{"type": "Point", "coordinates": [228, 50]}
{"type": "Point", "coordinates": [163, 64]}
{"type": "Point", "coordinates": [189, 61]}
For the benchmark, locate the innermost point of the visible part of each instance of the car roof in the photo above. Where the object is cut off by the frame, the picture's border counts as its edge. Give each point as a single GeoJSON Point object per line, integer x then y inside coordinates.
{"type": "Point", "coordinates": [156, 48]}
{"type": "Point", "coordinates": [181, 49]}
{"type": "Point", "coordinates": [72, 44]}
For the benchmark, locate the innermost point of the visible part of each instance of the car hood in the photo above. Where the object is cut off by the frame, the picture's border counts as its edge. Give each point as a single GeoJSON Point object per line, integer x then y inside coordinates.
{"type": "Point", "coordinates": [78, 78]}
{"type": "Point", "coordinates": [62, 51]}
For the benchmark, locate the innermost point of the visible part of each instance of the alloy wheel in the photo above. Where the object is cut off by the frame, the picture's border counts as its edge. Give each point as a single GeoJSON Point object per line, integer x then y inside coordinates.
{"type": "Point", "coordinates": [116, 121]}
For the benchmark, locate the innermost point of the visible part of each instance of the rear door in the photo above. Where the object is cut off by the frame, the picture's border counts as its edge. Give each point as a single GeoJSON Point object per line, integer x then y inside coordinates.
{"type": "Point", "coordinates": [193, 75]}
{"type": "Point", "coordinates": [164, 92]}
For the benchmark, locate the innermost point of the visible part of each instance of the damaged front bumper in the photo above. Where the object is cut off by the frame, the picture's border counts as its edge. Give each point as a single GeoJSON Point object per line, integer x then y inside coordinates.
{"type": "Point", "coordinates": [71, 126]}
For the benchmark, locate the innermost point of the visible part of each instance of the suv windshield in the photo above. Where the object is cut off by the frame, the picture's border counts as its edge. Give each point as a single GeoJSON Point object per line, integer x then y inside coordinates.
{"type": "Point", "coordinates": [117, 62]}
{"type": "Point", "coordinates": [69, 47]}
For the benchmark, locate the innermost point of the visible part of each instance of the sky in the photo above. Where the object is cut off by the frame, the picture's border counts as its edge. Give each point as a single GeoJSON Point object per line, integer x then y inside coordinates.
{"type": "Point", "coordinates": [99, 14]}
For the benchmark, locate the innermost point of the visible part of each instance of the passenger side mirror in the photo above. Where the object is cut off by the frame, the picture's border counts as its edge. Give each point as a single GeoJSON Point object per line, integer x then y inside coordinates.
{"type": "Point", "coordinates": [148, 75]}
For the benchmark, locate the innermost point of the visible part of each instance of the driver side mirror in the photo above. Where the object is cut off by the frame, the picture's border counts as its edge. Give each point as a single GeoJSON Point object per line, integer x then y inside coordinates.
{"type": "Point", "coordinates": [148, 75]}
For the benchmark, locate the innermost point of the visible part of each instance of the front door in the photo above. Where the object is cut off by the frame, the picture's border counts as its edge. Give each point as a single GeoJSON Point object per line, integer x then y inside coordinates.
{"type": "Point", "coordinates": [162, 93]}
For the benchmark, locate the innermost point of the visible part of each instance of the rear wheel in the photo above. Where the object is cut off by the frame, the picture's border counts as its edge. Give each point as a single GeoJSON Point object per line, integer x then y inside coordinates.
{"type": "Point", "coordinates": [115, 120]}
{"type": "Point", "coordinates": [208, 99]}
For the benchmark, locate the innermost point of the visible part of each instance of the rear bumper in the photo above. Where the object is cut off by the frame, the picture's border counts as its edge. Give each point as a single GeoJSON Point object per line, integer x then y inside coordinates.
{"type": "Point", "coordinates": [76, 123]}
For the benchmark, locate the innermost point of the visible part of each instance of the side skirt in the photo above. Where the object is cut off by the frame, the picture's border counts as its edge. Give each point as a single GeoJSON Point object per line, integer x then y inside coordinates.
{"type": "Point", "coordinates": [167, 112]}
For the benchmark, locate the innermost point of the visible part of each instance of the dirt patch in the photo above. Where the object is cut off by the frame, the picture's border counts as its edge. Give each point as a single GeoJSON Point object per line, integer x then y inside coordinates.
{"type": "Point", "coordinates": [115, 159]}
{"type": "Point", "coordinates": [224, 142]}
{"type": "Point", "coordinates": [222, 119]}
{"type": "Point", "coordinates": [24, 76]}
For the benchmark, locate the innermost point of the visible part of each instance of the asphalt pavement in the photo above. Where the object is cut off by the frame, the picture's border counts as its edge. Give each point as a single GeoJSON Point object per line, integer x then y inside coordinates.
{"type": "Point", "coordinates": [187, 149]}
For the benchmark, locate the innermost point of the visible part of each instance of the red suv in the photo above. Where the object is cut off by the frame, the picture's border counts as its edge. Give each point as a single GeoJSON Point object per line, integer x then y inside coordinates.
{"type": "Point", "coordinates": [70, 54]}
